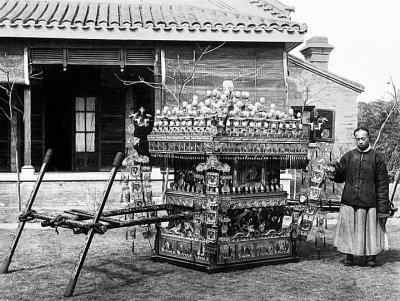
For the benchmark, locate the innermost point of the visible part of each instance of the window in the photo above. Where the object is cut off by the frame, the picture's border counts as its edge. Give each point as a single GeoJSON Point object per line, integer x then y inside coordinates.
{"type": "Point", "coordinates": [324, 125]}
{"type": "Point", "coordinates": [321, 121]}
{"type": "Point", "coordinates": [85, 124]}
{"type": "Point", "coordinates": [306, 118]}
{"type": "Point", "coordinates": [308, 113]}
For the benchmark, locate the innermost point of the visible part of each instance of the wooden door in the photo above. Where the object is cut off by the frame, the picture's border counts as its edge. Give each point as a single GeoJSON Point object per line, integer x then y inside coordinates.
{"type": "Point", "coordinates": [85, 158]}
{"type": "Point", "coordinates": [111, 125]}
{"type": "Point", "coordinates": [37, 127]}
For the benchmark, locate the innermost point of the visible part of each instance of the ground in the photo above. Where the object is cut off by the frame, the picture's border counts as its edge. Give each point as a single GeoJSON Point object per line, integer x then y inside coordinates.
{"type": "Point", "coordinates": [44, 261]}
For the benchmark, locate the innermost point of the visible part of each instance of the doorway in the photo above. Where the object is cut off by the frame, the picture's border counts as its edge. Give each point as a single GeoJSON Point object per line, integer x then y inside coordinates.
{"type": "Point", "coordinates": [56, 110]}
{"type": "Point", "coordinates": [81, 114]}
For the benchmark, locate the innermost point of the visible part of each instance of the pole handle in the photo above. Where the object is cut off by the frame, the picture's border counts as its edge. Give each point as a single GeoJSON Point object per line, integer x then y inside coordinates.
{"type": "Point", "coordinates": [118, 159]}
{"type": "Point", "coordinates": [48, 156]}
{"type": "Point", "coordinates": [397, 176]}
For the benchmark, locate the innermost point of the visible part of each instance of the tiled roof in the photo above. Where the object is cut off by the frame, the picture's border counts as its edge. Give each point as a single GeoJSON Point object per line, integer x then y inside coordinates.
{"type": "Point", "coordinates": [35, 18]}
{"type": "Point", "coordinates": [327, 74]}
{"type": "Point", "coordinates": [279, 12]}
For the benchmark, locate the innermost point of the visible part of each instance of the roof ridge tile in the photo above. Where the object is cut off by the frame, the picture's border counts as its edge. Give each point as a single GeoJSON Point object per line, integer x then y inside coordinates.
{"type": "Point", "coordinates": [49, 12]}
{"type": "Point", "coordinates": [7, 8]}
{"type": "Point", "coordinates": [168, 15]}
{"type": "Point", "coordinates": [202, 17]}
{"type": "Point", "coordinates": [178, 14]}
{"type": "Point", "coordinates": [113, 14]}
{"type": "Point", "coordinates": [146, 15]}
{"type": "Point", "coordinates": [157, 15]}
{"type": "Point", "coordinates": [192, 19]}
{"type": "Point", "coordinates": [273, 10]}
{"type": "Point", "coordinates": [102, 15]}
{"type": "Point", "coordinates": [136, 15]}
{"type": "Point", "coordinates": [1, 6]}
{"type": "Point", "coordinates": [17, 11]}
{"type": "Point", "coordinates": [91, 15]}
{"type": "Point", "coordinates": [125, 16]}
{"type": "Point", "coordinates": [81, 13]}
{"type": "Point", "coordinates": [70, 13]}
{"type": "Point", "coordinates": [37, 12]}
{"type": "Point", "coordinates": [60, 12]}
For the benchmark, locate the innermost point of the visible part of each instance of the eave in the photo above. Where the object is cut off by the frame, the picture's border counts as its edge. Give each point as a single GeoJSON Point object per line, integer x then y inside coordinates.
{"type": "Point", "coordinates": [326, 74]}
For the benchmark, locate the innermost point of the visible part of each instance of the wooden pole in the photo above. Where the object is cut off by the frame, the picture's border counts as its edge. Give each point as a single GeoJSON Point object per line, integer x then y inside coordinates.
{"type": "Point", "coordinates": [27, 127]}
{"type": "Point", "coordinates": [78, 267]}
{"type": "Point", "coordinates": [122, 211]}
{"type": "Point", "coordinates": [396, 182]}
{"type": "Point", "coordinates": [165, 186]}
{"type": "Point", "coordinates": [154, 220]}
{"type": "Point", "coordinates": [14, 243]}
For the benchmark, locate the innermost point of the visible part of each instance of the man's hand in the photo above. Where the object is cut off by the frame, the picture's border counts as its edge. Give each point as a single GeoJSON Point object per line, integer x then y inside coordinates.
{"type": "Point", "coordinates": [330, 173]}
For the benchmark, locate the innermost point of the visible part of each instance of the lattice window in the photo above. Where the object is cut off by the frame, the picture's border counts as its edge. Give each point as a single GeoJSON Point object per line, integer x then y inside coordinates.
{"type": "Point", "coordinates": [85, 124]}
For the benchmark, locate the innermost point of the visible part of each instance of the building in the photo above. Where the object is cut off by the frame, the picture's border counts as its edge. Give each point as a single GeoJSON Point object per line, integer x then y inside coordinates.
{"type": "Point", "coordinates": [323, 93]}
{"type": "Point", "coordinates": [74, 54]}
{"type": "Point", "coordinates": [70, 60]}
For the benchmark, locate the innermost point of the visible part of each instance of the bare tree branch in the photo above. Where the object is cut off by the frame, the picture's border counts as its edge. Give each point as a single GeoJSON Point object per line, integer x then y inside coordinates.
{"type": "Point", "coordinates": [389, 113]}
{"type": "Point", "coordinates": [5, 89]}
{"type": "Point", "coordinates": [5, 113]}
{"type": "Point", "coordinates": [11, 105]}
{"type": "Point", "coordinates": [307, 96]}
{"type": "Point", "coordinates": [19, 100]}
{"type": "Point", "coordinates": [179, 78]}
{"type": "Point", "coordinates": [8, 87]}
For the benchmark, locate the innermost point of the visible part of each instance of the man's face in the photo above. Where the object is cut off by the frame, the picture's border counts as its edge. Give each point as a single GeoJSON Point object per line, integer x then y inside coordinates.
{"type": "Point", "coordinates": [362, 139]}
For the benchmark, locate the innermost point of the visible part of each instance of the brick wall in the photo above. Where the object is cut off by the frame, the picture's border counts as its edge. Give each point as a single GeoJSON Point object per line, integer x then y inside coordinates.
{"type": "Point", "coordinates": [12, 61]}
{"type": "Point", "coordinates": [330, 95]}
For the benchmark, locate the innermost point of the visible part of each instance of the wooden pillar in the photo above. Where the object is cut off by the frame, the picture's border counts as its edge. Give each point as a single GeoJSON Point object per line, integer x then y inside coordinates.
{"type": "Point", "coordinates": [285, 76]}
{"type": "Point", "coordinates": [163, 76]}
{"type": "Point", "coordinates": [158, 78]}
{"type": "Point", "coordinates": [27, 127]}
{"type": "Point", "coordinates": [14, 142]}
{"type": "Point", "coordinates": [27, 131]}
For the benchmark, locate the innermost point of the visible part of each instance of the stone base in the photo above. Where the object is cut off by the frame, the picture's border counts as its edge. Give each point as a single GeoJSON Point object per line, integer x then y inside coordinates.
{"type": "Point", "coordinates": [27, 170]}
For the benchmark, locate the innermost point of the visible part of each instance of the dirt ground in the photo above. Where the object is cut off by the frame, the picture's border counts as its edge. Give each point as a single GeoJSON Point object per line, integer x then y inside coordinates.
{"type": "Point", "coordinates": [44, 261]}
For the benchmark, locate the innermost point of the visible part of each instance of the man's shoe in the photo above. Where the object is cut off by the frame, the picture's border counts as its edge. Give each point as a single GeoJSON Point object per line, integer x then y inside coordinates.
{"type": "Point", "coordinates": [349, 260]}
{"type": "Point", "coordinates": [371, 261]}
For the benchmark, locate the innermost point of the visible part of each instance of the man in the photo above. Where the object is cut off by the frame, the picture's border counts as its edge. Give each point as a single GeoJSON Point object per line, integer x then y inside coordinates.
{"type": "Point", "coordinates": [365, 201]}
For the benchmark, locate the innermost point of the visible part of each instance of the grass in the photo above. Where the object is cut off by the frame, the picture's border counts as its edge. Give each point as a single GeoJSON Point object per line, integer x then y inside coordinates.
{"type": "Point", "coordinates": [44, 261]}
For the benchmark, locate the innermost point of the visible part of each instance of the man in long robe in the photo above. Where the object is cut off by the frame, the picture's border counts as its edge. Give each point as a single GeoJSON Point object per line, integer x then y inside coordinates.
{"type": "Point", "coordinates": [365, 201]}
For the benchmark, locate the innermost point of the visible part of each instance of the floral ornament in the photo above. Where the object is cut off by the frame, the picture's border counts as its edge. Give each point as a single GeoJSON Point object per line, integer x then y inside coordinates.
{"type": "Point", "coordinates": [132, 141]}
{"type": "Point", "coordinates": [139, 118]}
{"type": "Point", "coordinates": [213, 163]}
{"type": "Point", "coordinates": [319, 122]}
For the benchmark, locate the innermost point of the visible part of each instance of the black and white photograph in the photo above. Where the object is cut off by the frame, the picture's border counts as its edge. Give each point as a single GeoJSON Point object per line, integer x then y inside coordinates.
{"type": "Point", "coordinates": [199, 150]}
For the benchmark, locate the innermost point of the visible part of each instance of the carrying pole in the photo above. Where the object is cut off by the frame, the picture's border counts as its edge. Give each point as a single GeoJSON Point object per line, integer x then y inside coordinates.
{"type": "Point", "coordinates": [396, 182]}
{"type": "Point", "coordinates": [75, 274]}
{"type": "Point", "coordinates": [165, 186]}
{"type": "Point", "coordinates": [7, 261]}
